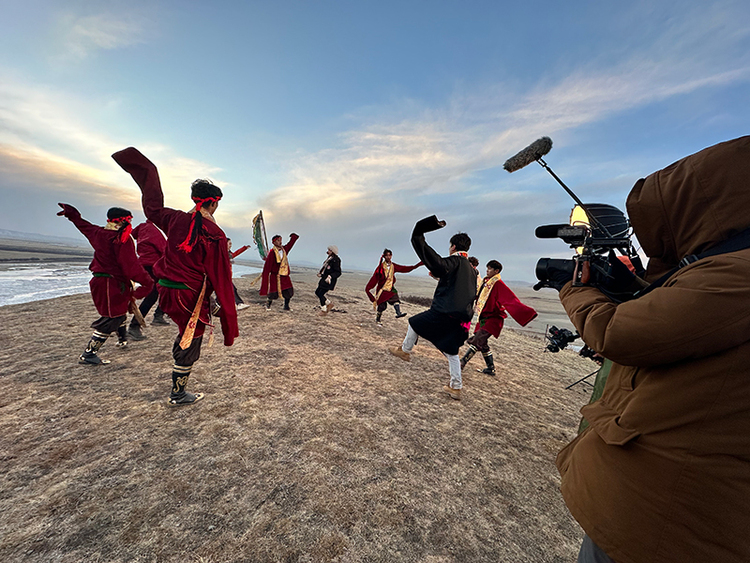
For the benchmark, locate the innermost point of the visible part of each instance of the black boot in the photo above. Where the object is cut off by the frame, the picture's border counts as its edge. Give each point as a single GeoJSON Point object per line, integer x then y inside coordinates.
{"type": "Point", "coordinates": [268, 304]}
{"type": "Point", "coordinates": [286, 303]}
{"type": "Point", "coordinates": [135, 332]}
{"type": "Point", "coordinates": [178, 396]}
{"type": "Point", "coordinates": [89, 355]}
{"type": "Point", "coordinates": [399, 314]}
{"type": "Point", "coordinates": [378, 317]}
{"type": "Point", "coordinates": [122, 335]}
{"type": "Point", "coordinates": [159, 318]}
{"type": "Point", "coordinates": [490, 369]}
{"type": "Point", "coordinates": [468, 356]}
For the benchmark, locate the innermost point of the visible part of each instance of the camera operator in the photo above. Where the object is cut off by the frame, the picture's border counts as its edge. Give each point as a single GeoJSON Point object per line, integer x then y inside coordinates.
{"type": "Point", "coordinates": [662, 474]}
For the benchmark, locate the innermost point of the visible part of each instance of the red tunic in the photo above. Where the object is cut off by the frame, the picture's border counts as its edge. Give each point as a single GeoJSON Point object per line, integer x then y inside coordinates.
{"type": "Point", "coordinates": [151, 243]}
{"type": "Point", "coordinates": [209, 259]}
{"type": "Point", "coordinates": [501, 302]}
{"type": "Point", "coordinates": [379, 278]}
{"type": "Point", "coordinates": [116, 264]}
{"type": "Point", "coordinates": [271, 270]}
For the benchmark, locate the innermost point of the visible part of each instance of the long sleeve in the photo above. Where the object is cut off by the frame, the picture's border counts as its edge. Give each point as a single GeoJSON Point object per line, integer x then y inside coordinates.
{"type": "Point", "coordinates": [145, 174]}
{"type": "Point", "coordinates": [133, 270]}
{"type": "Point", "coordinates": [371, 285]}
{"type": "Point", "coordinates": [702, 310]}
{"type": "Point", "coordinates": [406, 269]}
{"type": "Point", "coordinates": [219, 272]}
{"type": "Point", "coordinates": [436, 264]}
{"type": "Point", "coordinates": [239, 251]}
{"type": "Point", "coordinates": [87, 229]}
{"type": "Point", "coordinates": [292, 239]}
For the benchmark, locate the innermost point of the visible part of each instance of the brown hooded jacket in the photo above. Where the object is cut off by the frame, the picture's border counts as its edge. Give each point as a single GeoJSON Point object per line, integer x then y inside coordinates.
{"type": "Point", "coordinates": [663, 472]}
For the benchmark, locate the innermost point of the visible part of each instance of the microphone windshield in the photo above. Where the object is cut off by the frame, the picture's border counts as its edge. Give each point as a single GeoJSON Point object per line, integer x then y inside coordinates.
{"type": "Point", "coordinates": [534, 151]}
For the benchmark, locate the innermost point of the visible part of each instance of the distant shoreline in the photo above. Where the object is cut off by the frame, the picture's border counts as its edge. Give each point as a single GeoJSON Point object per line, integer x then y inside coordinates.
{"type": "Point", "coordinates": [34, 252]}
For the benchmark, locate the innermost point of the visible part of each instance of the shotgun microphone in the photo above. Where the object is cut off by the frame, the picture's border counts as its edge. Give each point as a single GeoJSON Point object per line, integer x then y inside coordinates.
{"type": "Point", "coordinates": [533, 152]}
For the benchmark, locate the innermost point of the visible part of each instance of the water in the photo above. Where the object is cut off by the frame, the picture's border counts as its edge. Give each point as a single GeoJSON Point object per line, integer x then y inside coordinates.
{"type": "Point", "coordinates": [22, 283]}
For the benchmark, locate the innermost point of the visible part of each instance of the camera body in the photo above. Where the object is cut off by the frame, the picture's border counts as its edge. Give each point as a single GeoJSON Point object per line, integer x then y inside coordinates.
{"type": "Point", "coordinates": [594, 230]}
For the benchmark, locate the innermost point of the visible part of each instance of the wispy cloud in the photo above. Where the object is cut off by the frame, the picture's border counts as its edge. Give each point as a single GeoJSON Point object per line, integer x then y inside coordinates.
{"type": "Point", "coordinates": [44, 135]}
{"type": "Point", "coordinates": [439, 152]}
{"type": "Point", "coordinates": [83, 35]}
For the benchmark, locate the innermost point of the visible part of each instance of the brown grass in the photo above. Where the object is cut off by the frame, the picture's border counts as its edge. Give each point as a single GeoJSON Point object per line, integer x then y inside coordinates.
{"type": "Point", "coordinates": [312, 444]}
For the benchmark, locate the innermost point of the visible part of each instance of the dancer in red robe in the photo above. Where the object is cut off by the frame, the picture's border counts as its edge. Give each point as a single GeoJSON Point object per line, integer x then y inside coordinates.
{"type": "Point", "coordinates": [115, 266]}
{"type": "Point", "coordinates": [276, 272]}
{"type": "Point", "coordinates": [494, 301]}
{"type": "Point", "coordinates": [195, 263]}
{"type": "Point", "coordinates": [151, 244]}
{"type": "Point", "coordinates": [383, 281]}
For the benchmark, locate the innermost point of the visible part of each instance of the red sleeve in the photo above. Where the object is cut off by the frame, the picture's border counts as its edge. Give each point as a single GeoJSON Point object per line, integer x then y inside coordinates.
{"type": "Point", "coordinates": [146, 176]}
{"type": "Point", "coordinates": [370, 285]}
{"type": "Point", "coordinates": [132, 268]}
{"type": "Point", "coordinates": [522, 314]}
{"type": "Point", "coordinates": [405, 269]}
{"type": "Point", "coordinates": [219, 272]}
{"type": "Point", "coordinates": [239, 251]}
{"type": "Point", "coordinates": [292, 239]}
{"type": "Point", "coordinates": [87, 229]}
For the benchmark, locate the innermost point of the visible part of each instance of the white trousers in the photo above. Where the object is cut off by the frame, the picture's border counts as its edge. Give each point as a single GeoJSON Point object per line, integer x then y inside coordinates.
{"type": "Point", "coordinates": [454, 362]}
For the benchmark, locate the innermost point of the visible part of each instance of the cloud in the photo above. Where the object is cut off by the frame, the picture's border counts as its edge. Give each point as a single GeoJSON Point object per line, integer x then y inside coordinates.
{"type": "Point", "coordinates": [81, 36]}
{"type": "Point", "coordinates": [440, 153]}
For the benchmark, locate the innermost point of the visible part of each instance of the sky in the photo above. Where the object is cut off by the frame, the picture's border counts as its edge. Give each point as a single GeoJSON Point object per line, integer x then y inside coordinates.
{"type": "Point", "coordinates": [348, 121]}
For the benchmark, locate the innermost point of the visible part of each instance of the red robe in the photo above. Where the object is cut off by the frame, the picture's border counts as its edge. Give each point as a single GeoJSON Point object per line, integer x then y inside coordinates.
{"type": "Point", "coordinates": [115, 259]}
{"type": "Point", "coordinates": [378, 280]}
{"type": "Point", "coordinates": [209, 259]}
{"type": "Point", "coordinates": [271, 270]}
{"type": "Point", "coordinates": [151, 243]}
{"type": "Point", "coordinates": [501, 302]}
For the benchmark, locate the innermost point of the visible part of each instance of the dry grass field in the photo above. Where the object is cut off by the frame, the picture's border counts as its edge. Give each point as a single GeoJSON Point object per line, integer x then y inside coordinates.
{"type": "Point", "coordinates": [312, 443]}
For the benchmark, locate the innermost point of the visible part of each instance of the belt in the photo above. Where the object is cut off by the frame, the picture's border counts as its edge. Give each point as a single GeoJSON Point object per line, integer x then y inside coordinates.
{"type": "Point", "coordinates": [172, 284]}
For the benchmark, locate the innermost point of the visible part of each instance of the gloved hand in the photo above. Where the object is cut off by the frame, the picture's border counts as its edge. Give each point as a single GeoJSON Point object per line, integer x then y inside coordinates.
{"type": "Point", "coordinates": [429, 224]}
{"type": "Point", "coordinates": [557, 279]}
{"type": "Point", "coordinates": [68, 211]}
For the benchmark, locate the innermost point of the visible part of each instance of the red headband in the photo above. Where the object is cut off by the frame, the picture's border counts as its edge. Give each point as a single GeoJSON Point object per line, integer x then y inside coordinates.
{"type": "Point", "coordinates": [188, 243]}
{"type": "Point", "coordinates": [125, 230]}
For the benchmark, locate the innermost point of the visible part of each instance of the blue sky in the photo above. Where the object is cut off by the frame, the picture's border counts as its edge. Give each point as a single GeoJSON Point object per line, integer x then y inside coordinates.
{"type": "Point", "coordinates": [349, 121]}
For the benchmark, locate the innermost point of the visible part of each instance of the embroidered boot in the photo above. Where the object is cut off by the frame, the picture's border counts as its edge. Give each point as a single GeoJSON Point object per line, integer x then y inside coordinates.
{"type": "Point", "coordinates": [468, 356]}
{"type": "Point", "coordinates": [122, 335]}
{"type": "Point", "coordinates": [378, 317]}
{"type": "Point", "coordinates": [490, 361]}
{"type": "Point", "coordinates": [89, 355]}
{"type": "Point", "coordinates": [178, 396]}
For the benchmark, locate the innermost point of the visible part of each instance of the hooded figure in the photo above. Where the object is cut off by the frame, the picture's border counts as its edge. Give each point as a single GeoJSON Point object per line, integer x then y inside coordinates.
{"type": "Point", "coordinates": [662, 474]}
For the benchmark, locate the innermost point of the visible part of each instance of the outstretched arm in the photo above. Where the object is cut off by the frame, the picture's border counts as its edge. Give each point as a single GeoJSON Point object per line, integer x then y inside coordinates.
{"type": "Point", "coordinates": [74, 216]}
{"type": "Point", "coordinates": [406, 269]}
{"type": "Point", "coordinates": [292, 239]}
{"type": "Point", "coordinates": [239, 251]}
{"type": "Point", "coordinates": [145, 174]}
{"type": "Point", "coordinates": [437, 265]}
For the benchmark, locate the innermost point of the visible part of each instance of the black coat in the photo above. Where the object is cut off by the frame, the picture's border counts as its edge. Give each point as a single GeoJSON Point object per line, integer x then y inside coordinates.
{"type": "Point", "coordinates": [453, 302]}
{"type": "Point", "coordinates": [457, 280]}
{"type": "Point", "coordinates": [333, 269]}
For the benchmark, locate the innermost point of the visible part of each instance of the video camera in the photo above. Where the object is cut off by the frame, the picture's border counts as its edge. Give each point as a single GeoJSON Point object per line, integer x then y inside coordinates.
{"type": "Point", "coordinates": [595, 230]}
{"type": "Point", "coordinates": [559, 338]}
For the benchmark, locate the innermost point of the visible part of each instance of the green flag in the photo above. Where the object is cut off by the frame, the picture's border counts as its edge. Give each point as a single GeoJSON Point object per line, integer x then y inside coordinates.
{"type": "Point", "coordinates": [258, 229]}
